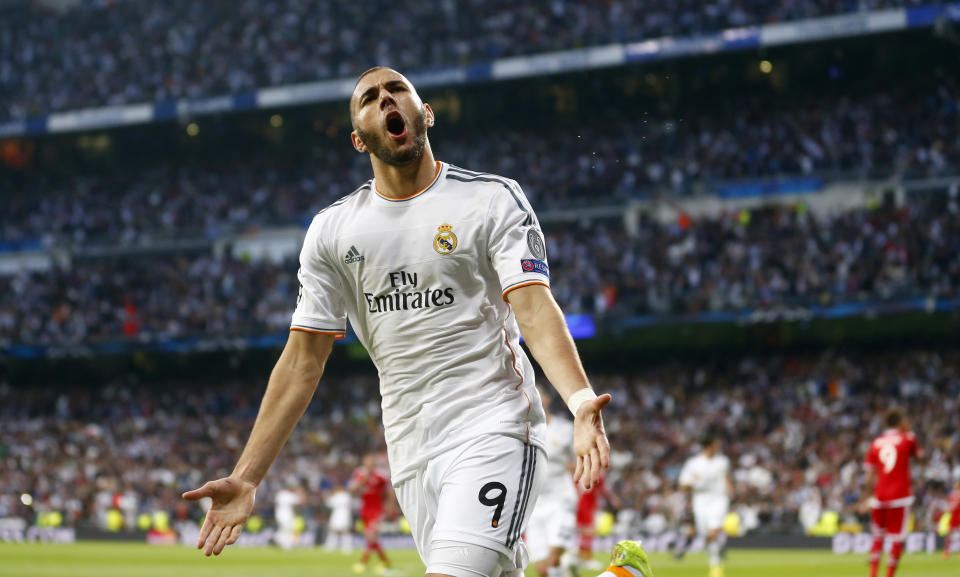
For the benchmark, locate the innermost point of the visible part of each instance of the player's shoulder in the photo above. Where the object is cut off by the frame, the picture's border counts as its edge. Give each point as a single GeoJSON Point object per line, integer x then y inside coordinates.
{"type": "Point", "coordinates": [335, 210]}
{"type": "Point", "coordinates": [483, 182]}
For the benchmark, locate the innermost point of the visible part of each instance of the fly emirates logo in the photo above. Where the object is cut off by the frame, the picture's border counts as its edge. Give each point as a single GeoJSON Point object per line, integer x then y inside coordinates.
{"type": "Point", "coordinates": [406, 294]}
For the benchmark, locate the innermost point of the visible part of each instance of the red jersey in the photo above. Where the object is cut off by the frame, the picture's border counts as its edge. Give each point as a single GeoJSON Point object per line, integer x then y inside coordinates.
{"type": "Point", "coordinates": [890, 455]}
{"type": "Point", "coordinates": [953, 504]}
{"type": "Point", "coordinates": [373, 486]}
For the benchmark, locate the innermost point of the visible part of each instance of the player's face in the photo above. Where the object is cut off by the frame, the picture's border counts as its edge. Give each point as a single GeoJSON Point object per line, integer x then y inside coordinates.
{"type": "Point", "coordinates": [390, 121]}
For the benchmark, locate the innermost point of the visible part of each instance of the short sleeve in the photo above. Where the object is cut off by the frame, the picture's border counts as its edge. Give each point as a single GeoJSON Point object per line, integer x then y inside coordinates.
{"type": "Point", "coordinates": [320, 307]}
{"type": "Point", "coordinates": [515, 245]}
{"type": "Point", "coordinates": [686, 475]}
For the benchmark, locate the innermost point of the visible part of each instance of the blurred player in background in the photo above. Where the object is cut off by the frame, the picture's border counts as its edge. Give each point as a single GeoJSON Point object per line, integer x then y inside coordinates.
{"type": "Point", "coordinates": [953, 507]}
{"type": "Point", "coordinates": [285, 502]}
{"type": "Point", "coordinates": [888, 481]}
{"type": "Point", "coordinates": [440, 270]}
{"type": "Point", "coordinates": [707, 477]}
{"type": "Point", "coordinates": [552, 526]}
{"type": "Point", "coordinates": [587, 505]}
{"type": "Point", "coordinates": [339, 531]}
{"type": "Point", "coordinates": [372, 487]}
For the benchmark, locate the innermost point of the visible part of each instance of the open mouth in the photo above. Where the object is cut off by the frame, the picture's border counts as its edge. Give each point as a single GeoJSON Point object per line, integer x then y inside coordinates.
{"type": "Point", "coordinates": [395, 124]}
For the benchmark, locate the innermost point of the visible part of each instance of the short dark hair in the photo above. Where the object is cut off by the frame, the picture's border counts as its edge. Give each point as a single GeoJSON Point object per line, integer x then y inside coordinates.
{"type": "Point", "coordinates": [894, 418]}
{"type": "Point", "coordinates": [711, 436]}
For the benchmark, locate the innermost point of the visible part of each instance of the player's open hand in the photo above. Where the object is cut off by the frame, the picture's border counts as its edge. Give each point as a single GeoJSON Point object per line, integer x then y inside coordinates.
{"type": "Point", "coordinates": [232, 505]}
{"type": "Point", "coordinates": [590, 442]}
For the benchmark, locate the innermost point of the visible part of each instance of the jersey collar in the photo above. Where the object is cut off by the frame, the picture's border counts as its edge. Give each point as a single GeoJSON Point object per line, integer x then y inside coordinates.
{"type": "Point", "coordinates": [436, 178]}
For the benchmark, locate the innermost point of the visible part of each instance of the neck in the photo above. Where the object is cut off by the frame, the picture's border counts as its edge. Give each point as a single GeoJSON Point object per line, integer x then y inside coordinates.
{"type": "Point", "coordinates": [406, 180]}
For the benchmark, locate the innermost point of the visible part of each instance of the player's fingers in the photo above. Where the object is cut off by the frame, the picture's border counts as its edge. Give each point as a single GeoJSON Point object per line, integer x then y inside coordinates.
{"type": "Point", "coordinates": [222, 541]}
{"type": "Point", "coordinates": [586, 472]}
{"type": "Point", "coordinates": [235, 534]}
{"type": "Point", "coordinates": [579, 470]}
{"type": "Point", "coordinates": [603, 447]}
{"type": "Point", "coordinates": [212, 540]}
{"type": "Point", "coordinates": [204, 531]}
{"type": "Point", "coordinates": [602, 401]}
{"type": "Point", "coordinates": [595, 471]}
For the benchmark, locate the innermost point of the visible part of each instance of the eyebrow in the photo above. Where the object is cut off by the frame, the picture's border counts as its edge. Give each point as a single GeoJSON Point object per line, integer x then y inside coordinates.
{"type": "Point", "coordinates": [373, 89]}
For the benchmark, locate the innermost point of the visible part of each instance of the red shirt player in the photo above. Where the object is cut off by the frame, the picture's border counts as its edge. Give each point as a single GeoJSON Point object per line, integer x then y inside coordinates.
{"type": "Point", "coordinates": [586, 513]}
{"type": "Point", "coordinates": [953, 506]}
{"type": "Point", "coordinates": [372, 486]}
{"type": "Point", "coordinates": [888, 472]}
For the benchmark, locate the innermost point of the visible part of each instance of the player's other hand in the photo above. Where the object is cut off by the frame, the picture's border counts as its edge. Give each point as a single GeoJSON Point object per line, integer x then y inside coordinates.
{"type": "Point", "coordinates": [590, 442]}
{"type": "Point", "coordinates": [232, 505]}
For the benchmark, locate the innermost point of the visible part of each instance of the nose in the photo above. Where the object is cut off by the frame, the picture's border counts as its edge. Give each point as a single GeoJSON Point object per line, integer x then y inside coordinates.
{"type": "Point", "coordinates": [386, 98]}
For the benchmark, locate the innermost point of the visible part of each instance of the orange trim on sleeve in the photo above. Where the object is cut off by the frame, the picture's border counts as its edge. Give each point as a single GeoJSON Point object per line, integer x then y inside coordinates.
{"type": "Point", "coordinates": [336, 335]}
{"type": "Point", "coordinates": [421, 191]}
{"type": "Point", "coordinates": [513, 288]}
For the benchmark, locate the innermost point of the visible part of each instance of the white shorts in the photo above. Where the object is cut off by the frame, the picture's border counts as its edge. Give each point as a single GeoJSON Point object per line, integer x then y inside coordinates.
{"type": "Point", "coordinates": [481, 495]}
{"type": "Point", "coordinates": [709, 514]}
{"type": "Point", "coordinates": [552, 524]}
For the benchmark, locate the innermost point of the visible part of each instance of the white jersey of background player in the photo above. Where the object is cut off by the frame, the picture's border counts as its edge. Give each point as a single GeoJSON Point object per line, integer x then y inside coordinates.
{"type": "Point", "coordinates": [553, 524]}
{"type": "Point", "coordinates": [340, 502]}
{"type": "Point", "coordinates": [285, 514]}
{"type": "Point", "coordinates": [707, 476]}
{"type": "Point", "coordinates": [437, 268]}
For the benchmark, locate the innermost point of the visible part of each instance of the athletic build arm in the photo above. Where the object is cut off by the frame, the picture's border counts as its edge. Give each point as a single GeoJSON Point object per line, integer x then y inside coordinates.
{"type": "Point", "coordinates": [289, 391]}
{"type": "Point", "coordinates": [545, 332]}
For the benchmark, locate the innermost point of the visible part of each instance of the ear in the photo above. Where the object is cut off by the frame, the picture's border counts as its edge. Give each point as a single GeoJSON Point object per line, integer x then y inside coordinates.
{"type": "Point", "coordinates": [429, 114]}
{"type": "Point", "coordinates": [358, 144]}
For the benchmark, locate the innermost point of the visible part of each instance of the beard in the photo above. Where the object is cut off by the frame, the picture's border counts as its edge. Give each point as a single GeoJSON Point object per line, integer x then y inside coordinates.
{"type": "Point", "coordinates": [379, 145]}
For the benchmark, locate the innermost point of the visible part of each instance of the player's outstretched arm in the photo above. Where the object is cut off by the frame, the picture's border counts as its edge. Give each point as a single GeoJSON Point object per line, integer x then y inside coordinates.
{"type": "Point", "coordinates": [291, 386]}
{"type": "Point", "coordinates": [545, 332]}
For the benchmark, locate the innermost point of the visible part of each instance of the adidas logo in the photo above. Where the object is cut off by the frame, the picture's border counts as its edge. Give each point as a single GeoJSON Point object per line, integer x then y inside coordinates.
{"type": "Point", "coordinates": [353, 255]}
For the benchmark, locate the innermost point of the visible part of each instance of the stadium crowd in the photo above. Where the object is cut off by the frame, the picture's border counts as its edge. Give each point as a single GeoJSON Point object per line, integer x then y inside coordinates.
{"type": "Point", "coordinates": [608, 160]}
{"type": "Point", "coordinates": [766, 259]}
{"type": "Point", "coordinates": [101, 52]}
{"type": "Point", "coordinates": [796, 429]}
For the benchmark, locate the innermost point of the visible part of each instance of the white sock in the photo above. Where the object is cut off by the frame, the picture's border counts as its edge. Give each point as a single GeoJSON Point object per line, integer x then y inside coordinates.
{"type": "Point", "coordinates": [714, 549]}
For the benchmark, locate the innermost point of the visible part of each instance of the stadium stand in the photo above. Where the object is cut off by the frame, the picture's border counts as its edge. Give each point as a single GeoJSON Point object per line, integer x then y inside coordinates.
{"type": "Point", "coordinates": [103, 52]}
{"type": "Point", "coordinates": [797, 428]}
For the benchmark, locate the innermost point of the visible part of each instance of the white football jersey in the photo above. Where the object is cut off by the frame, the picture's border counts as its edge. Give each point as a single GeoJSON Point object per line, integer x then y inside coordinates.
{"type": "Point", "coordinates": [423, 281]}
{"type": "Point", "coordinates": [706, 476]}
{"type": "Point", "coordinates": [559, 485]}
{"type": "Point", "coordinates": [340, 503]}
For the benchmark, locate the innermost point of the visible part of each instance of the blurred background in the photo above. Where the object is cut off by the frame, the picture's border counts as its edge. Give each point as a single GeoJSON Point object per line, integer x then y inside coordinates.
{"type": "Point", "coordinates": [751, 208]}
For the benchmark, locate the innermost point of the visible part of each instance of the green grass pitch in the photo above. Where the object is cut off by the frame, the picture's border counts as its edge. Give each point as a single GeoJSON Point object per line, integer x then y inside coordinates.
{"type": "Point", "coordinates": [135, 560]}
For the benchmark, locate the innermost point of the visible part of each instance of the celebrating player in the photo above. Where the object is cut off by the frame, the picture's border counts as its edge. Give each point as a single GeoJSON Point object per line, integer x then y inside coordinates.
{"type": "Point", "coordinates": [552, 524]}
{"type": "Point", "coordinates": [371, 485]}
{"type": "Point", "coordinates": [888, 480]}
{"type": "Point", "coordinates": [439, 270]}
{"type": "Point", "coordinates": [707, 476]}
{"type": "Point", "coordinates": [953, 506]}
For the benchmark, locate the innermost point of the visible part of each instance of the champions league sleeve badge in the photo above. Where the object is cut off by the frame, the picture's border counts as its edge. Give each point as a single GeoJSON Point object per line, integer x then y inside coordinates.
{"type": "Point", "coordinates": [445, 242]}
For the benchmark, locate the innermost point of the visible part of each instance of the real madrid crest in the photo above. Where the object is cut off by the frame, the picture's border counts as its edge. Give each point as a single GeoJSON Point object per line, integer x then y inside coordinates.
{"type": "Point", "coordinates": [445, 242]}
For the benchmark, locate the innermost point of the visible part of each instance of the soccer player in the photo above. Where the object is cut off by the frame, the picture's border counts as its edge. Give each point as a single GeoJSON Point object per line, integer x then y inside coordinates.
{"type": "Point", "coordinates": [285, 501]}
{"type": "Point", "coordinates": [439, 270]}
{"type": "Point", "coordinates": [888, 481]}
{"type": "Point", "coordinates": [371, 485]}
{"type": "Point", "coordinates": [552, 525]}
{"type": "Point", "coordinates": [338, 529]}
{"type": "Point", "coordinates": [707, 476]}
{"type": "Point", "coordinates": [953, 506]}
{"type": "Point", "coordinates": [586, 520]}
